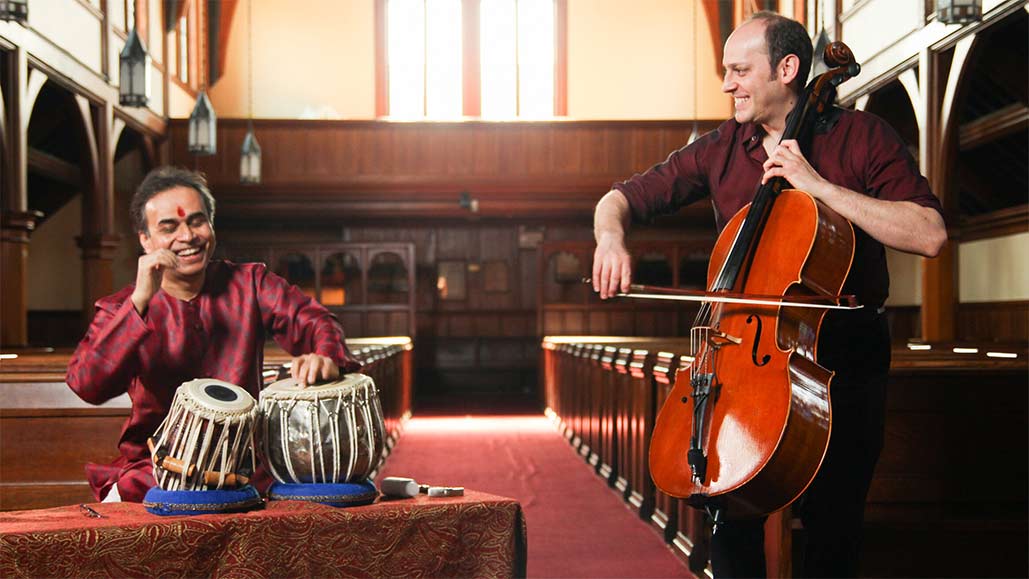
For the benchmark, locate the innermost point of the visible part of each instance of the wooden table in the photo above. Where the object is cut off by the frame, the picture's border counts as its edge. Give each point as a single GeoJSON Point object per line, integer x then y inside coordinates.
{"type": "Point", "coordinates": [476, 535]}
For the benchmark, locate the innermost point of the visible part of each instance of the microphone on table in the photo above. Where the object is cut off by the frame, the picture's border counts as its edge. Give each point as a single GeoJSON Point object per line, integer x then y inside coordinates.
{"type": "Point", "coordinates": [405, 488]}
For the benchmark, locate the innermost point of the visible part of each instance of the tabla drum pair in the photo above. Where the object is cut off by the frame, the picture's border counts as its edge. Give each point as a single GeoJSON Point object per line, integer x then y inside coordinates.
{"type": "Point", "coordinates": [330, 434]}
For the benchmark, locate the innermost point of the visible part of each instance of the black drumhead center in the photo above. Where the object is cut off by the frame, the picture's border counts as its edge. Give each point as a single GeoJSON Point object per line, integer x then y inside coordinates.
{"type": "Point", "coordinates": [221, 393]}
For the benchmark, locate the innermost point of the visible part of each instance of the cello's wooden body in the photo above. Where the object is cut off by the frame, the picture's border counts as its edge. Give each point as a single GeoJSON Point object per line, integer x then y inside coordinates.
{"type": "Point", "coordinates": [745, 433]}
{"type": "Point", "coordinates": [768, 419]}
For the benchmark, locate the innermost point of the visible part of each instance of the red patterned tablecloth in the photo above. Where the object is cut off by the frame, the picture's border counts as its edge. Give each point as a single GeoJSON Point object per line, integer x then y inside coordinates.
{"type": "Point", "coordinates": [477, 535]}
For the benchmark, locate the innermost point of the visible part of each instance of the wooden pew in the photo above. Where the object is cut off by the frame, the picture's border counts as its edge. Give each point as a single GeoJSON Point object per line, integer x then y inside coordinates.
{"type": "Point", "coordinates": [951, 484]}
{"type": "Point", "coordinates": [47, 433]}
{"type": "Point", "coordinates": [943, 400]}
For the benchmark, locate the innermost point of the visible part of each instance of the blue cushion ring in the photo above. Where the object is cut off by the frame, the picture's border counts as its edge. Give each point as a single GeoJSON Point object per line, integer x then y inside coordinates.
{"type": "Point", "coordinates": [161, 502]}
{"type": "Point", "coordinates": [332, 494]}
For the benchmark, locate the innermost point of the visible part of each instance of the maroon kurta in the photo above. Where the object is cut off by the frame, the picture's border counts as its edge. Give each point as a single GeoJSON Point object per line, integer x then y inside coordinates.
{"type": "Point", "coordinates": [856, 150]}
{"type": "Point", "coordinates": [219, 334]}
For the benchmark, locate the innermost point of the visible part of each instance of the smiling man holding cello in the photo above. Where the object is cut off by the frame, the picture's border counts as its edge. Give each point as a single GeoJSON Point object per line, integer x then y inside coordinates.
{"type": "Point", "coordinates": [848, 166]}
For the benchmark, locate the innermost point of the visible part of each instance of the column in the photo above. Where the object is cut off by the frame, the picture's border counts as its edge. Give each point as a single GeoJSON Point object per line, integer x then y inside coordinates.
{"type": "Point", "coordinates": [16, 221]}
{"type": "Point", "coordinates": [97, 269]}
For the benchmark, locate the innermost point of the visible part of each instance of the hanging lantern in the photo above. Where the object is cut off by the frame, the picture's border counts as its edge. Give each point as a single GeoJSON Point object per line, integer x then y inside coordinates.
{"type": "Point", "coordinates": [203, 127]}
{"type": "Point", "coordinates": [959, 11]}
{"type": "Point", "coordinates": [16, 10]}
{"type": "Point", "coordinates": [134, 82]}
{"type": "Point", "coordinates": [250, 159]}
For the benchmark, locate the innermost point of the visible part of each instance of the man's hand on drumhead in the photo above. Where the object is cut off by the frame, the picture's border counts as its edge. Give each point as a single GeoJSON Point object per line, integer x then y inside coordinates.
{"type": "Point", "coordinates": [311, 368]}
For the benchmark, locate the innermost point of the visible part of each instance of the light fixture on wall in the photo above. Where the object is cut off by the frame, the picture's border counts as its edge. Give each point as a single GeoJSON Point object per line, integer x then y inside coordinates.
{"type": "Point", "coordinates": [134, 79]}
{"type": "Point", "coordinates": [466, 201]}
{"type": "Point", "coordinates": [250, 155]}
{"type": "Point", "coordinates": [959, 11]}
{"type": "Point", "coordinates": [16, 10]}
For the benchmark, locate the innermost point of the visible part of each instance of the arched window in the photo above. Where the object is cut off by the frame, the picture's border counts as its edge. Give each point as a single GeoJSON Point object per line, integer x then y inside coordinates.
{"type": "Point", "coordinates": [387, 279]}
{"type": "Point", "coordinates": [341, 280]}
{"type": "Point", "coordinates": [297, 269]}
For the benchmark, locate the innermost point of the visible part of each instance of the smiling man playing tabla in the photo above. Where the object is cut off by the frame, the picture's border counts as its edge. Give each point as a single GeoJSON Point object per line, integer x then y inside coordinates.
{"type": "Point", "coordinates": [188, 316]}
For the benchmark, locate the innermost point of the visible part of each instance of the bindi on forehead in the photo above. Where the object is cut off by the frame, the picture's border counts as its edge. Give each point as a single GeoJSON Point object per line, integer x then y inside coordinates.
{"type": "Point", "coordinates": [181, 211]}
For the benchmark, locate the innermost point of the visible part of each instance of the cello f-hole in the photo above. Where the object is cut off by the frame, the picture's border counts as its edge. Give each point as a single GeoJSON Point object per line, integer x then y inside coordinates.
{"type": "Point", "coordinates": [757, 340]}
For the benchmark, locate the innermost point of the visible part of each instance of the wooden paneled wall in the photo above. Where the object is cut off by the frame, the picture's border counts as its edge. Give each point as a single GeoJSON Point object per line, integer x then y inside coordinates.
{"type": "Point", "coordinates": [976, 322]}
{"type": "Point", "coordinates": [475, 197]}
{"type": "Point", "coordinates": [994, 321]}
{"type": "Point", "coordinates": [391, 170]}
{"type": "Point", "coordinates": [487, 326]}
{"type": "Point", "coordinates": [370, 297]}
{"type": "Point", "coordinates": [569, 307]}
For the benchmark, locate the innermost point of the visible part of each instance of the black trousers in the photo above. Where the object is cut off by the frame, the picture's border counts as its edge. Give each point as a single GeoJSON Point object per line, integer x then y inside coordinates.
{"type": "Point", "coordinates": [856, 345]}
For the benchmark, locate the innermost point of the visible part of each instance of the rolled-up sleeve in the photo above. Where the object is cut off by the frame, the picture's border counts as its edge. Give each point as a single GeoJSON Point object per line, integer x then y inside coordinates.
{"type": "Point", "coordinates": [892, 174]}
{"type": "Point", "coordinates": [668, 186]}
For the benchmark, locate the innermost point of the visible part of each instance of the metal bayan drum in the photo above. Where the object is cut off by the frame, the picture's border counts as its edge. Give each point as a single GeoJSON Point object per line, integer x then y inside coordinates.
{"type": "Point", "coordinates": [207, 440]}
{"type": "Point", "coordinates": [329, 433]}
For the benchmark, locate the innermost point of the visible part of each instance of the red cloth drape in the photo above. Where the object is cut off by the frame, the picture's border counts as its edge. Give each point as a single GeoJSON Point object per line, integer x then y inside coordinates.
{"type": "Point", "coordinates": [477, 535]}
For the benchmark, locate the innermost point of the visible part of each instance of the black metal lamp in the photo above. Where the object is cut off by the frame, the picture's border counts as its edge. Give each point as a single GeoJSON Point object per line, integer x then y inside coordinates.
{"type": "Point", "coordinates": [250, 159]}
{"type": "Point", "coordinates": [203, 127]}
{"type": "Point", "coordinates": [959, 11]}
{"type": "Point", "coordinates": [16, 10]}
{"type": "Point", "coordinates": [134, 82]}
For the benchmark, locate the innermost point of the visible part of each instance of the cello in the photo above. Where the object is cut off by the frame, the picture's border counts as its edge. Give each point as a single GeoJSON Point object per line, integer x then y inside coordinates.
{"type": "Point", "coordinates": [746, 434]}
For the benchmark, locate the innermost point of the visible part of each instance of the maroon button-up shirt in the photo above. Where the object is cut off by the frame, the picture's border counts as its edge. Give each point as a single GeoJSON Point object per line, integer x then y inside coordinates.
{"type": "Point", "coordinates": [858, 151]}
{"type": "Point", "coordinates": [219, 334]}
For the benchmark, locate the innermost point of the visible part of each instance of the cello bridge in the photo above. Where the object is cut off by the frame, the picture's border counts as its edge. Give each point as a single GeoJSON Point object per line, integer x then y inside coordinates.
{"type": "Point", "coordinates": [716, 338]}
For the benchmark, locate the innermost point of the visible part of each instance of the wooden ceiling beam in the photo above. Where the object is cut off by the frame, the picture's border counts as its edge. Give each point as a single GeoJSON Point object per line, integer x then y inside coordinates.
{"type": "Point", "coordinates": [990, 127]}
{"type": "Point", "coordinates": [55, 168]}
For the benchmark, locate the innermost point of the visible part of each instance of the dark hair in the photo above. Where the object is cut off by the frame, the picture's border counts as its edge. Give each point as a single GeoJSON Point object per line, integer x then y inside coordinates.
{"type": "Point", "coordinates": [784, 36]}
{"type": "Point", "coordinates": [162, 179]}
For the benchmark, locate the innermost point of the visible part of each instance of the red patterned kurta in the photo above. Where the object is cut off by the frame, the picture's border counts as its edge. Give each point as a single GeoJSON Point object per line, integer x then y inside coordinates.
{"type": "Point", "coordinates": [219, 334]}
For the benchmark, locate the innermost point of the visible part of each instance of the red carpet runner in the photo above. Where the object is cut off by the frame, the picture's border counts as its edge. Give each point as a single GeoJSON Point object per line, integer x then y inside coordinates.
{"type": "Point", "coordinates": [577, 526]}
